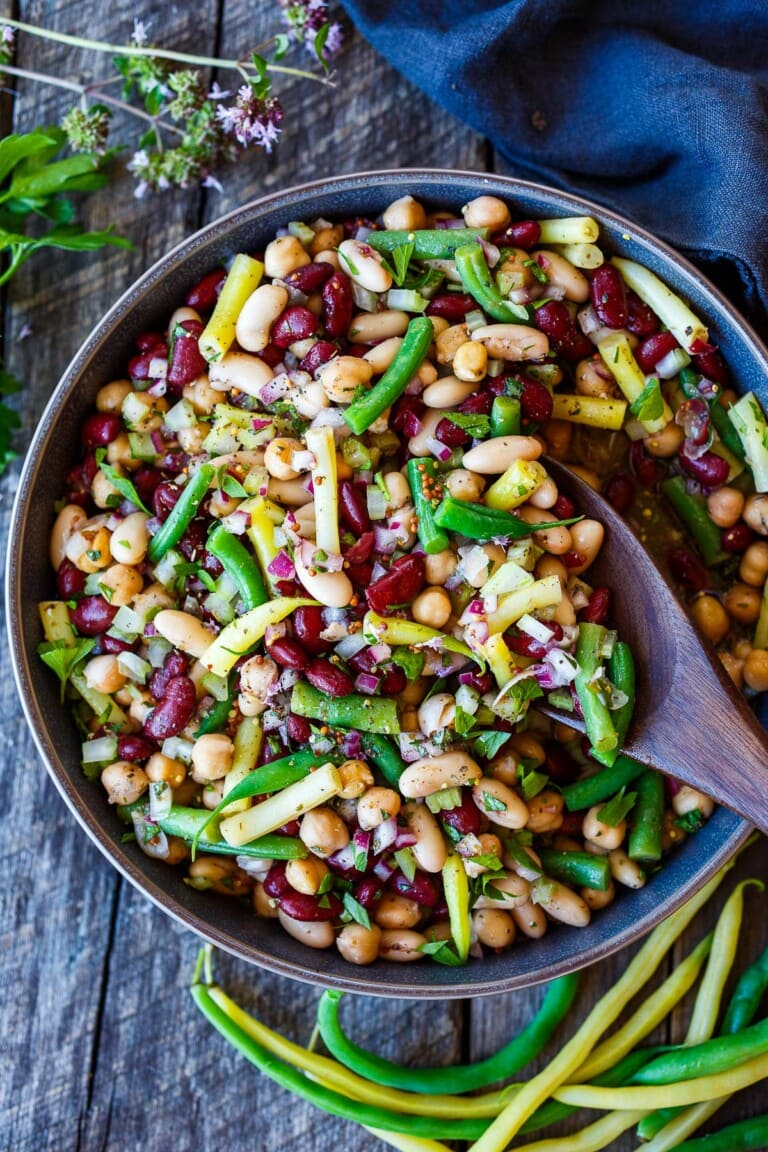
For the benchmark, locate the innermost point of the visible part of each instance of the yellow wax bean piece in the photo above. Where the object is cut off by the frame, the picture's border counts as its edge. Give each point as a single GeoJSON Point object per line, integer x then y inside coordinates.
{"type": "Point", "coordinates": [219, 333]}
{"type": "Point", "coordinates": [516, 485]}
{"type": "Point", "coordinates": [594, 411]}
{"type": "Point", "coordinates": [243, 634]}
{"type": "Point", "coordinates": [289, 804]}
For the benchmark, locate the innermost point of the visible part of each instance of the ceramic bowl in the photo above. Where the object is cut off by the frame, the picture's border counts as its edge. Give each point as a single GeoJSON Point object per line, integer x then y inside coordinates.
{"type": "Point", "coordinates": [146, 305]}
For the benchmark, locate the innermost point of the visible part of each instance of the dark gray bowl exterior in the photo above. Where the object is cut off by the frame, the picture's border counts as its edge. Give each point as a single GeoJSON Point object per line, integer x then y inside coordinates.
{"type": "Point", "coordinates": [146, 305]}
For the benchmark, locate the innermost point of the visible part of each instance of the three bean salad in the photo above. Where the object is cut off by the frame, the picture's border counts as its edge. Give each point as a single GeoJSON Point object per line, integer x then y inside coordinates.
{"type": "Point", "coordinates": [314, 578]}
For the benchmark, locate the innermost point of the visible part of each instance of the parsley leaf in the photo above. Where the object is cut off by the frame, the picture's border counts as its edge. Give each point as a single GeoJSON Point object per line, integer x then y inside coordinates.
{"type": "Point", "coordinates": [531, 781]}
{"type": "Point", "coordinates": [487, 744]}
{"type": "Point", "coordinates": [536, 271]}
{"type": "Point", "coordinates": [62, 657]}
{"type": "Point", "coordinates": [402, 257]}
{"type": "Point", "coordinates": [617, 808]}
{"type": "Point", "coordinates": [464, 722]}
{"type": "Point", "coordinates": [477, 425]}
{"type": "Point", "coordinates": [124, 486]}
{"type": "Point", "coordinates": [356, 910]}
{"type": "Point", "coordinates": [649, 405]}
{"type": "Point", "coordinates": [492, 803]}
{"type": "Point", "coordinates": [412, 663]}
{"type": "Point", "coordinates": [441, 951]}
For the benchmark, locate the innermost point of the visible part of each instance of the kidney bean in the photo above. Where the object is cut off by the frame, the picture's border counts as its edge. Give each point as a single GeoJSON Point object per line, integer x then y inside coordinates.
{"type": "Point", "coordinates": [187, 362]}
{"type": "Point", "coordinates": [338, 304]}
{"type": "Point", "coordinates": [452, 306]}
{"type": "Point", "coordinates": [70, 581]}
{"type": "Point", "coordinates": [357, 350]}
{"type": "Point", "coordinates": [135, 748]}
{"type": "Point", "coordinates": [205, 293]}
{"type": "Point", "coordinates": [709, 470]}
{"type": "Point", "coordinates": [571, 825]}
{"type": "Point", "coordinates": [609, 296]}
{"type": "Point", "coordinates": [647, 471]}
{"type": "Point", "coordinates": [275, 883]}
{"type": "Point", "coordinates": [711, 364]}
{"type": "Point", "coordinates": [92, 615]}
{"type": "Point", "coordinates": [307, 626]}
{"type": "Point", "coordinates": [403, 581]}
{"type": "Point", "coordinates": [319, 354]}
{"type": "Point", "coordinates": [737, 538]}
{"type": "Point", "coordinates": [359, 552]}
{"type": "Point", "coordinates": [192, 543]}
{"type": "Point", "coordinates": [80, 478]}
{"type": "Point", "coordinates": [362, 661]}
{"type": "Point", "coordinates": [100, 429]}
{"type": "Point", "coordinates": [298, 728]}
{"type": "Point", "coordinates": [496, 385]}
{"type": "Point", "coordinates": [619, 491]}
{"type": "Point", "coordinates": [309, 277]}
{"type": "Point", "coordinates": [353, 506]}
{"type": "Point", "coordinates": [289, 829]}
{"type": "Point", "coordinates": [214, 567]}
{"type": "Point", "coordinates": [465, 818]}
{"type": "Point", "coordinates": [556, 322]}
{"type": "Point", "coordinates": [174, 711]}
{"type": "Point", "coordinates": [563, 508]}
{"type": "Point", "coordinates": [641, 319]}
{"type": "Point", "coordinates": [520, 234]}
{"type": "Point", "coordinates": [360, 575]}
{"type": "Point", "coordinates": [139, 366]}
{"type": "Point", "coordinates": [688, 569]}
{"type": "Point", "coordinates": [149, 341]}
{"type": "Point", "coordinates": [114, 645]}
{"type": "Point", "coordinates": [367, 892]}
{"type": "Point", "coordinates": [478, 404]}
{"type": "Point", "coordinates": [299, 906]}
{"type": "Point", "coordinates": [421, 888]}
{"type": "Point", "coordinates": [394, 682]}
{"type": "Point", "coordinates": [271, 355]}
{"type": "Point", "coordinates": [535, 401]}
{"type": "Point", "coordinates": [406, 409]}
{"type": "Point", "coordinates": [145, 481]}
{"type": "Point", "coordinates": [175, 664]}
{"type": "Point", "coordinates": [559, 765]}
{"type": "Point", "coordinates": [450, 434]}
{"type": "Point", "coordinates": [289, 654]}
{"type": "Point", "coordinates": [296, 323]}
{"type": "Point", "coordinates": [573, 559]}
{"type": "Point", "coordinates": [273, 748]}
{"type": "Point", "coordinates": [653, 349]}
{"type": "Point", "coordinates": [596, 611]}
{"type": "Point", "coordinates": [481, 681]}
{"type": "Point", "coordinates": [329, 678]}
{"type": "Point", "coordinates": [525, 645]}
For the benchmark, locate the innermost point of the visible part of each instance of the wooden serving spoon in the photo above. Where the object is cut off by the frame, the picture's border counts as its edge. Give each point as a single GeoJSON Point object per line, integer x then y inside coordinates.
{"type": "Point", "coordinates": [690, 720]}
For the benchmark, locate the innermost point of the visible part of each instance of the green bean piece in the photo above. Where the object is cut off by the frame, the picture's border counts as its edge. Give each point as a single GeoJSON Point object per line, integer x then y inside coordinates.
{"type": "Point", "coordinates": [648, 819]}
{"type": "Point", "coordinates": [217, 717]}
{"type": "Point", "coordinates": [689, 382]}
{"type": "Point", "coordinates": [706, 1059]}
{"type": "Point", "coordinates": [505, 416]}
{"type": "Point", "coordinates": [621, 673]}
{"type": "Point", "coordinates": [581, 868]}
{"type": "Point", "coordinates": [364, 713]}
{"type": "Point", "coordinates": [598, 721]}
{"type": "Point", "coordinates": [410, 355]}
{"type": "Point", "coordinates": [428, 243]}
{"type": "Point", "coordinates": [478, 522]}
{"type": "Point", "coordinates": [182, 512]}
{"type": "Point", "coordinates": [692, 510]}
{"type": "Point", "coordinates": [603, 785]}
{"type": "Point", "coordinates": [239, 565]}
{"type": "Point", "coordinates": [503, 1064]}
{"type": "Point", "coordinates": [477, 280]}
{"type": "Point", "coordinates": [383, 755]}
{"type": "Point", "coordinates": [187, 822]}
{"type": "Point", "coordinates": [326, 1099]}
{"type": "Point", "coordinates": [426, 491]}
{"type": "Point", "coordinates": [743, 1136]}
{"type": "Point", "coordinates": [745, 1001]}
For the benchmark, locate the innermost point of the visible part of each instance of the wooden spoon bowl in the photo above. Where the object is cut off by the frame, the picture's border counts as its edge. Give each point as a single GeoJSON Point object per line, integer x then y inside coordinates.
{"type": "Point", "coordinates": [690, 720]}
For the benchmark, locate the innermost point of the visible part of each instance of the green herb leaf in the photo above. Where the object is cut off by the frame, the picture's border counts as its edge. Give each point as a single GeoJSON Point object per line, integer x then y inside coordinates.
{"type": "Point", "coordinates": [492, 803]}
{"type": "Point", "coordinates": [412, 663]}
{"type": "Point", "coordinates": [531, 781]}
{"type": "Point", "coordinates": [319, 44]}
{"type": "Point", "coordinates": [649, 405]}
{"type": "Point", "coordinates": [536, 271]}
{"type": "Point", "coordinates": [63, 658]}
{"type": "Point", "coordinates": [690, 822]}
{"type": "Point", "coordinates": [478, 426]}
{"type": "Point", "coordinates": [124, 486]}
{"type": "Point", "coordinates": [402, 257]}
{"type": "Point", "coordinates": [442, 952]}
{"type": "Point", "coordinates": [464, 721]}
{"type": "Point", "coordinates": [617, 808]}
{"type": "Point", "coordinates": [282, 44]}
{"type": "Point", "coordinates": [487, 744]}
{"type": "Point", "coordinates": [356, 910]}
{"type": "Point", "coordinates": [406, 862]}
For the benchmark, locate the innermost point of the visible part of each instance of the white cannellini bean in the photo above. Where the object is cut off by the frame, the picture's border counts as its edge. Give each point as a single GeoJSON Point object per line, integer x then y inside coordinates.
{"type": "Point", "coordinates": [258, 314]}
{"type": "Point", "coordinates": [239, 370]}
{"type": "Point", "coordinates": [334, 589]}
{"type": "Point", "coordinates": [364, 265]}
{"type": "Point", "coordinates": [500, 804]}
{"type": "Point", "coordinates": [512, 341]}
{"type": "Point", "coordinates": [495, 455]}
{"type": "Point", "coordinates": [313, 933]}
{"type": "Point", "coordinates": [432, 773]}
{"type": "Point", "coordinates": [430, 850]}
{"type": "Point", "coordinates": [184, 631]}
{"type": "Point", "coordinates": [447, 392]}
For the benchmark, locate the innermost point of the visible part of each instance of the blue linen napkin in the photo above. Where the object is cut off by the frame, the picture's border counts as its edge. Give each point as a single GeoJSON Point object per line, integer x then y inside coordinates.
{"type": "Point", "coordinates": [656, 108]}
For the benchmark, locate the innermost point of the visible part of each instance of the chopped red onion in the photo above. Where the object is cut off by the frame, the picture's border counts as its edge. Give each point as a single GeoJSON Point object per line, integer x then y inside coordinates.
{"type": "Point", "coordinates": [378, 571]}
{"type": "Point", "coordinates": [160, 799]}
{"type": "Point", "coordinates": [344, 859]}
{"type": "Point", "coordinates": [275, 389]}
{"type": "Point", "coordinates": [492, 253]}
{"type": "Point", "coordinates": [380, 652]}
{"type": "Point", "coordinates": [282, 567]}
{"type": "Point", "coordinates": [157, 389]}
{"type": "Point", "coordinates": [437, 448]}
{"type": "Point", "coordinates": [588, 319]}
{"type": "Point", "coordinates": [453, 222]}
{"type": "Point", "coordinates": [405, 838]}
{"type": "Point", "coordinates": [383, 869]}
{"type": "Point", "coordinates": [385, 540]}
{"type": "Point", "coordinates": [362, 233]}
{"type": "Point", "coordinates": [469, 846]}
{"type": "Point", "coordinates": [384, 836]}
{"type": "Point", "coordinates": [362, 840]}
{"type": "Point", "coordinates": [150, 839]}
{"type": "Point", "coordinates": [237, 522]}
{"type": "Point", "coordinates": [158, 443]}
{"type": "Point", "coordinates": [476, 607]}
{"type": "Point", "coordinates": [708, 389]}
{"type": "Point", "coordinates": [270, 721]}
{"type": "Point", "coordinates": [352, 744]}
{"type": "Point", "coordinates": [288, 677]}
{"type": "Point", "coordinates": [351, 645]}
{"type": "Point", "coordinates": [367, 683]}
{"type": "Point", "coordinates": [333, 615]}
{"type": "Point", "coordinates": [411, 424]}
{"type": "Point", "coordinates": [275, 632]}
{"type": "Point", "coordinates": [564, 666]}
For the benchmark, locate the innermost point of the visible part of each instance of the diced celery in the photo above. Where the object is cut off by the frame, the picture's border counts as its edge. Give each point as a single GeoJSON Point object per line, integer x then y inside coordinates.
{"type": "Point", "coordinates": [748, 419]}
{"type": "Point", "coordinates": [142, 446]}
{"type": "Point", "coordinates": [182, 415]}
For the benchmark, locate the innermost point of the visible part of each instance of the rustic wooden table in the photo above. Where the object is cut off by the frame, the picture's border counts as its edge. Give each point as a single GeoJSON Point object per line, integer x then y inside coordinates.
{"type": "Point", "coordinates": [101, 1045]}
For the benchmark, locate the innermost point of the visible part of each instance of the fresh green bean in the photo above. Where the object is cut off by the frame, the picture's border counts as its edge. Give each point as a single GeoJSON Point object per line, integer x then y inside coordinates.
{"type": "Point", "coordinates": [621, 673]}
{"type": "Point", "coordinates": [362, 412]}
{"type": "Point", "coordinates": [603, 785]}
{"type": "Point", "coordinates": [428, 243]}
{"type": "Point", "coordinates": [427, 492]}
{"type": "Point", "coordinates": [503, 1064]}
{"type": "Point", "coordinates": [239, 565]}
{"type": "Point", "coordinates": [747, 994]}
{"type": "Point", "coordinates": [743, 1136]}
{"type": "Point", "coordinates": [689, 382]}
{"type": "Point", "coordinates": [477, 280]}
{"type": "Point", "coordinates": [692, 510]}
{"type": "Point", "coordinates": [505, 416]}
{"type": "Point", "coordinates": [708, 1058]}
{"type": "Point", "coordinates": [217, 717]}
{"type": "Point", "coordinates": [182, 512]}
{"type": "Point", "coordinates": [383, 755]}
{"type": "Point", "coordinates": [327, 1099]}
{"type": "Point", "coordinates": [581, 868]}
{"type": "Point", "coordinates": [365, 713]}
{"type": "Point", "coordinates": [598, 720]}
{"type": "Point", "coordinates": [479, 522]}
{"type": "Point", "coordinates": [186, 823]}
{"type": "Point", "coordinates": [648, 819]}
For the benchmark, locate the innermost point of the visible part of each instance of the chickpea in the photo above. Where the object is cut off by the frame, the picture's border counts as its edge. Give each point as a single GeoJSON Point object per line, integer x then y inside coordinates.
{"type": "Point", "coordinates": [486, 212]}
{"type": "Point", "coordinates": [264, 905]}
{"type": "Point", "coordinates": [124, 782]}
{"type": "Point", "coordinates": [665, 443]}
{"type": "Point", "coordinates": [470, 362]}
{"type": "Point", "coordinates": [495, 928]}
{"type": "Point", "coordinates": [342, 376]}
{"type": "Point", "coordinates": [220, 874]}
{"type": "Point", "coordinates": [545, 812]}
{"type": "Point", "coordinates": [756, 670]}
{"type": "Point", "coordinates": [606, 837]}
{"type": "Point", "coordinates": [110, 397]}
{"type": "Point", "coordinates": [734, 667]}
{"type": "Point", "coordinates": [597, 898]}
{"type": "Point", "coordinates": [439, 566]}
{"type": "Point", "coordinates": [278, 457]}
{"type": "Point", "coordinates": [153, 598]}
{"type": "Point", "coordinates": [448, 342]}
{"type": "Point", "coordinates": [103, 491]}
{"type": "Point", "coordinates": [756, 513]}
{"type": "Point", "coordinates": [211, 757]}
{"type": "Point", "coordinates": [213, 794]}
{"type": "Point", "coordinates": [504, 767]}
{"type": "Point", "coordinates": [711, 617]}
{"type": "Point", "coordinates": [432, 607]}
{"type": "Point", "coordinates": [689, 799]}
{"type": "Point", "coordinates": [327, 237]}
{"type": "Point", "coordinates": [377, 805]}
{"type": "Point", "coordinates": [405, 214]}
{"type": "Point", "coordinates": [528, 746]}
{"type": "Point", "coordinates": [161, 768]}
{"type": "Point", "coordinates": [414, 691]}
{"type": "Point", "coordinates": [742, 603]}
{"type": "Point", "coordinates": [119, 453]}
{"type": "Point", "coordinates": [356, 776]}
{"type": "Point", "coordinates": [306, 875]}
{"type": "Point", "coordinates": [284, 255]}
{"type": "Point", "coordinates": [725, 506]}
{"type": "Point", "coordinates": [103, 674]}
{"type": "Point", "coordinates": [395, 911]}
{"type": "Point", "coordinates": [201, 395]}
{"type": "Point", "coordinates": [359, 945]}
{"type": "Point", "coordinates": [754, 564]}
{"type": "Point", "coordinates": [591, 379]}
{"type": "Point", "coordinates": [324, 832]}
{"type": "Point", "coordinates": [464, 485]}
{"type": "Point", "coordinates": [89, 548]}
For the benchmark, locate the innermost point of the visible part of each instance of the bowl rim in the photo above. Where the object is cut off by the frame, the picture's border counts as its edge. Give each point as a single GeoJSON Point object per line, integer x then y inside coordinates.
{"type": "Point", "coordinates": [369, 981]}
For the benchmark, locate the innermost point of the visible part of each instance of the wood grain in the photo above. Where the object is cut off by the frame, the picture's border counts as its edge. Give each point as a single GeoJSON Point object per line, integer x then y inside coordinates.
{"type": "Point", "coordinates": [102, 1049]}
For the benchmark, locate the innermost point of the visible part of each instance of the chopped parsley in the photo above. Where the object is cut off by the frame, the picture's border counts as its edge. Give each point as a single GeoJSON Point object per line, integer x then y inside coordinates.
{"type": "Point", "coordinates": [618, 808]}
{"type": "Point", "coordinates": [649, 405]}
{"type": "Point", "coordinates": [487, 744]}
{"type": "Point", "coordinates": [690, 822]}
{"type": "Point", "coordinates": [124, 486]}
{"type": "Point", "coordinates": [355, 910]}
{"type": "Point", "coordinates": [412, 663]}
{"type": "Point", "coordinates": [477, 425]}
{"type": "Point", "coordinates": [62, 657]}
{"type": "Point", "coordinates": [442, 952]}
